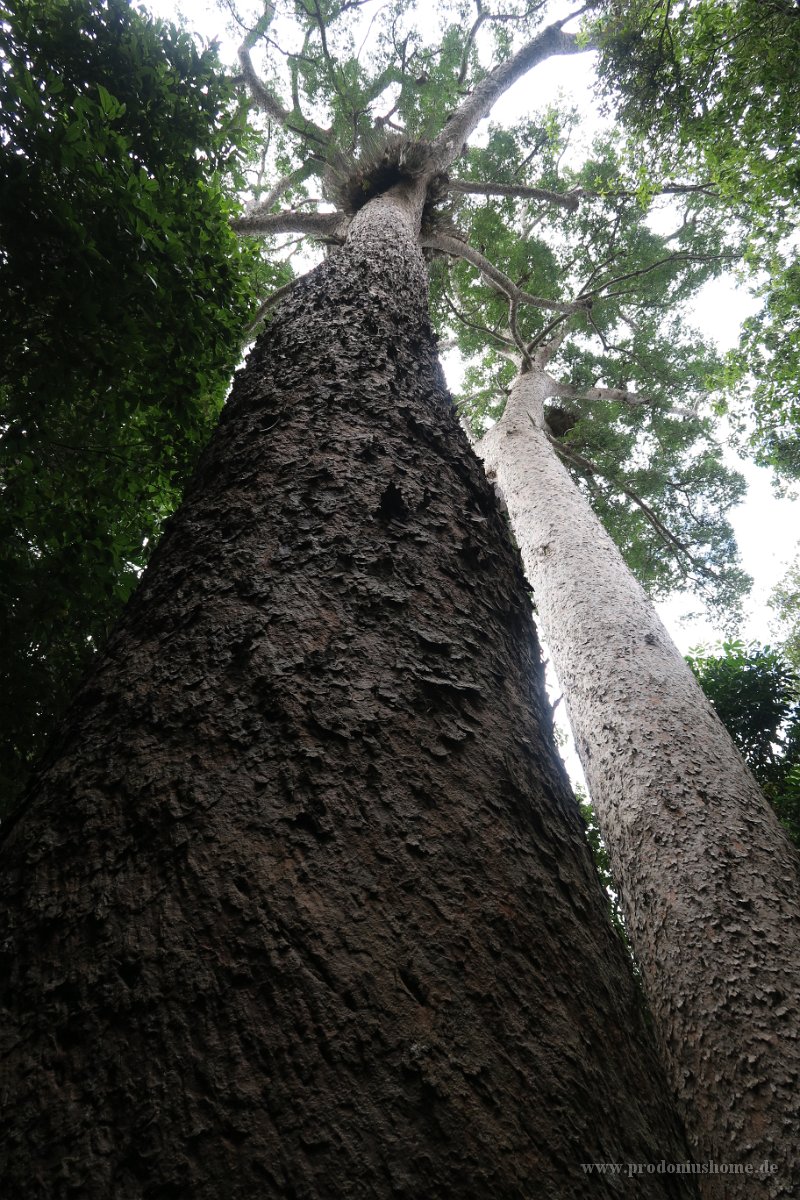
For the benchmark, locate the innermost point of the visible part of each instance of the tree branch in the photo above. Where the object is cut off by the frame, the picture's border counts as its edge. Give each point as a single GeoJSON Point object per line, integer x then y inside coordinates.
{"type": "Point", "coordinates": [331, 225]}
{"type": "Point", "coordinates": [291, 120]}
{"type": "Point", "coordinates": [291, 180]}
{"type": "Point", "coordinates": [492, 333]}
{"type": "Point", "coordinates": [501, 282]}
{"type": "Point", "coordinates": [568, 200]}
{"type": "Point", "coordinates": [669, 189]}
{"type": "Point", "coordinates": [548, 42]}
{"type": "Point", "coordinates": [526, 363]}
{"type": "Point", "coordinates": [549, 349]}
{"type": "Point", "coordinates": [633, 399]}
{"type": "Point", "coordinates": [661, 262]}
{"type": "Point", "coordinates": [470, 41]}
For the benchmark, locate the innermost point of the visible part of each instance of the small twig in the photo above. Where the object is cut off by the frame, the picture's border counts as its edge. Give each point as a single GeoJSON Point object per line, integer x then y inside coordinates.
{"type": "Point", "coordinates": [492, 333]}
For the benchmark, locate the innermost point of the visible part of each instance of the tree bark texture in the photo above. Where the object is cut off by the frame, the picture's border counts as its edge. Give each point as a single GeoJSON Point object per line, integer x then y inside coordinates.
{"type": "Point", "coordinates": [707, 878]}
{"type": "Point", "coordinates": [301, 904]}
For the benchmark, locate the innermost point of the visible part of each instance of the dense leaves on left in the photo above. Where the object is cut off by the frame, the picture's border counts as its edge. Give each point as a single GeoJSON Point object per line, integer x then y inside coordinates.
{"type": "Point", "coordinates": [123, 293]}
{"type": "Point", "coordinates": [756, 692]}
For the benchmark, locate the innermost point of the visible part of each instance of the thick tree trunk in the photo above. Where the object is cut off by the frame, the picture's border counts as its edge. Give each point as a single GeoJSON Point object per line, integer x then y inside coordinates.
{"type": "Point", "coordinates": [301, 905]}
{"type": "Point", "coordinates": [707, 879]}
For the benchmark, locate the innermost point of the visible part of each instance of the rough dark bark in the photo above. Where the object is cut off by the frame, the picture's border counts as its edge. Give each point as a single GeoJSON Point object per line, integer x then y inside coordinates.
{"type": "Point", "coordinates": [301, 905]}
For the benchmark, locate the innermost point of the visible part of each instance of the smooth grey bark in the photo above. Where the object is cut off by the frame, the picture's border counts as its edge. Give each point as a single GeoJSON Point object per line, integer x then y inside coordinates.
{"type": "Point", "coordinates": [707, 879]}
{"type": "Point", "coordinates": [301, 904]}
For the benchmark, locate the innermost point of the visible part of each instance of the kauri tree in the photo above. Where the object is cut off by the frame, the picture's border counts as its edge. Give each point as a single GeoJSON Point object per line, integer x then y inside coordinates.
{"type": "Point", "coordinates": [300, 866]}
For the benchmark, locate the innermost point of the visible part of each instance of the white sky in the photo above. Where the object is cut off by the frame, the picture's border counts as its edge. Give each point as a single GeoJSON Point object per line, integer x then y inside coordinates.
{"type": "Point", "coordinates": [767, 528]}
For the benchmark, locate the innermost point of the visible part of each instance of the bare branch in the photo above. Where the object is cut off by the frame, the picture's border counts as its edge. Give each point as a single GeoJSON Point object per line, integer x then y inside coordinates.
{"type": "Point", "coordinates": [310, 167]}
{"type": "Point", "coordinates": [569, 200]}
{"type": "Point", "coordinates": [549, 41]}
{"type": "Point", "coordinates": [292, 120]}
{"type": "Point", "coordinates": [633, 399]}
{"type": "Point", "coordinates": [501, 282]}
{"type": "Point", "coordinates": [330, 225]}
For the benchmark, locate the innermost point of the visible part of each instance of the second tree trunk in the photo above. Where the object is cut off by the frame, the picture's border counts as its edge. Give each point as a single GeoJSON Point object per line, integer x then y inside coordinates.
{"type": "Point", "coordinates": [707, 879]}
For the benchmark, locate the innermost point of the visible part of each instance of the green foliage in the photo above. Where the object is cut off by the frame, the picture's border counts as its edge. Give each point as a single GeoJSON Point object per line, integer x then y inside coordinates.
{"type": "Point", "coordinates": [766, 371]}
{"type": "Point", "coordinates": [709, 86]}
{"type": "Point", "coordinates": [785, 602]}
{"type": "Point", "coordinates": [124, 292]}
{"type": "Point", "coordinates": [714, 77]}
{"type": "Point", "coordinates": [756, 692]}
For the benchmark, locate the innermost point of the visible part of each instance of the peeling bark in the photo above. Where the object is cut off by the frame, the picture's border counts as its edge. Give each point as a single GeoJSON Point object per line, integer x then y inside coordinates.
{"type": "Point", "coordinates": [301, 905]}
{"type": "Point", "coordinates": [707, 878]}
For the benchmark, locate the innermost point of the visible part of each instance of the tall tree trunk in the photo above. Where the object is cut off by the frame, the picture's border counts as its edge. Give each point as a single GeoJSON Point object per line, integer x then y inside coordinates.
{"type": "Point", "coordinates": [301, 905]}
{"type": "Point", "coordinates": [707, 878]}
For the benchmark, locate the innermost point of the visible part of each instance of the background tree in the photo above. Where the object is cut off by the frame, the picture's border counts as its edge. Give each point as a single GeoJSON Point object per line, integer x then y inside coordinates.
{"type": "Point", "coordinates": [756, 692]}
{"type": "Point", "coordinates": [124, 293]}
{"type": "Point", "coordinates": [608, 382]}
